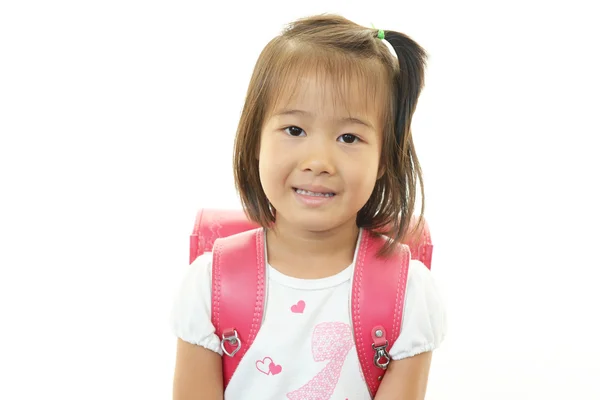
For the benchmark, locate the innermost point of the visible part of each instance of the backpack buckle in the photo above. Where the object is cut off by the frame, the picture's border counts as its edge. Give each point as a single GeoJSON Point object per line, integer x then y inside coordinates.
{"type": "Point", "coordinates": [382, 358]}
{"type": "Point", "coordinates": [231, 336]}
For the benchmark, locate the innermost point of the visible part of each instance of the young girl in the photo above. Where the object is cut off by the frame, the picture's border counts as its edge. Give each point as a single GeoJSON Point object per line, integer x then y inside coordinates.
{"type": "Point", "coordinates": [323, 152]}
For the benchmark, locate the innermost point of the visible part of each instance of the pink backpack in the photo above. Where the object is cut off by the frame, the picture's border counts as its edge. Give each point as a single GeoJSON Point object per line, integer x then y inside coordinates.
{"type": "Point", "coordinates": [238, 288]}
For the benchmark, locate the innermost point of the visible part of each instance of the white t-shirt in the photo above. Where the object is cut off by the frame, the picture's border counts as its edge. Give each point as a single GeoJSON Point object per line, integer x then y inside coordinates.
{"type": "Point", "coordinates": [304, 348]}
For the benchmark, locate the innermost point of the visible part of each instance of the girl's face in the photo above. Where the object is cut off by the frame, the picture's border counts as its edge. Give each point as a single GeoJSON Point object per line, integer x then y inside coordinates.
{"type": "Point", "coordinates": [319, 158]}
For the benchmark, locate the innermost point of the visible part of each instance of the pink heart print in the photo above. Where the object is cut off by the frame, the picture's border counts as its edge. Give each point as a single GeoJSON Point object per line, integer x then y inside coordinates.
{"type": "Point", "coordinates": [268, 367]}
{"type": "Point", "coordinates": [299, 307]}
{"type": "Point", "coordinates": [274, 369]}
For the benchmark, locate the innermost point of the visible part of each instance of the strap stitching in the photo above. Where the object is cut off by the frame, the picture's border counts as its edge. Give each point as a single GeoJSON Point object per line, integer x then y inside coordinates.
{"type": "Point", "coordinates": [217, 287]}
{"type": "Point", "coordinates": [359, 326]}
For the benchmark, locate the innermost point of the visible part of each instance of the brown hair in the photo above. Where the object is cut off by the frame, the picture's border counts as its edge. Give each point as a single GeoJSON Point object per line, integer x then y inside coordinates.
{"type": "Point", "coordinates": [344, 51]}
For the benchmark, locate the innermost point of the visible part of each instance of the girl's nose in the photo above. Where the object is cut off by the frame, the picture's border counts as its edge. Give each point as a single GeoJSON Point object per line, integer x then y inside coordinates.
{"type": "Point", "coordinates": [319, 160]}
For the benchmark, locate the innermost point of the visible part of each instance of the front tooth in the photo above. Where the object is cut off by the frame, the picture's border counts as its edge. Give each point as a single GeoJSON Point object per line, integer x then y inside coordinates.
{"type": "Point", "coordinates": [309, 193]}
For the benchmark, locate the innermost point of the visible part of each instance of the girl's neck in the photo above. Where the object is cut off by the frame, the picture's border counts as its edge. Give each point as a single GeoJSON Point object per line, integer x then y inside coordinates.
{"type": "Point", "coordinates": [311, 254]}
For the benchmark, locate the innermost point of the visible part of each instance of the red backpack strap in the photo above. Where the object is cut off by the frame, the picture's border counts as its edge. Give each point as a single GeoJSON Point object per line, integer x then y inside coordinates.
{"type": "Point", "coordinates": [378, 290]}
{"type": "Point", "coordinates": [238, 294]}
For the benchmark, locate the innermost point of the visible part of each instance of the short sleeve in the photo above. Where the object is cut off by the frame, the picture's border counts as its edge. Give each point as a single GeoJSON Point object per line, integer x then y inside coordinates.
{"type": "Point", "coordinates": [424, 316]}
{"type": "Point", "coordinates": [191, 312]}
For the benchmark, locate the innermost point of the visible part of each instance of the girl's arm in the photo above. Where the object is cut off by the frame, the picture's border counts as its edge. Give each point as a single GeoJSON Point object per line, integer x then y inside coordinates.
{"type": "Point", "coordinates": [406, 379]}
{"type": "Point", "coordinates": [198, 373]}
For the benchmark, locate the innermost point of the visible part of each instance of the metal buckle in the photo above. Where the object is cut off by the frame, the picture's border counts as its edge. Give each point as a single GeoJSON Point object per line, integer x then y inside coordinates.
{"type": "Point", "coordinates": [381, 352]}
{"type": "Point", "coordinates": [233, 340]}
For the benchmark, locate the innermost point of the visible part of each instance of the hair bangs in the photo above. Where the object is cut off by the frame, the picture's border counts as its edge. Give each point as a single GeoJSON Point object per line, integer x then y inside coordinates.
{"type": "Point", "coordinates": [358, 85]}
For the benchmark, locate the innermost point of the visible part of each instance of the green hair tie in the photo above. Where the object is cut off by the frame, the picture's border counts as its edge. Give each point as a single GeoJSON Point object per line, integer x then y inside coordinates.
{"type": "Point", "coordinates": [380, 33]}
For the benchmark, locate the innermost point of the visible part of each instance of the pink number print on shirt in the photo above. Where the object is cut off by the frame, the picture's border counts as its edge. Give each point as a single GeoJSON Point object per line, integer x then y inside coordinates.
{"type": "Point", "coordinates": [298, 308]}
{"type": "Point", "coordinates": [331, 341]}
{"type": "Point", "coordinates": [268, 367]}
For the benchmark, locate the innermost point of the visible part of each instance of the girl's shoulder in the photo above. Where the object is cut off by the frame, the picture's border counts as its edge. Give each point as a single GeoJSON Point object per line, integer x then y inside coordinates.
{"type": "Point", "coordinates": [421, 276]}
{"type": "Point", "coordinates": [422, 289]}
{"type": "Point", "coordinates": [191, 311]}
{"type": "Point", "coordinates": [195, 279]}
{"type": "Point", "coordinates": [201, 267]}
{"type": "Point", "coordinates": [424, 322]}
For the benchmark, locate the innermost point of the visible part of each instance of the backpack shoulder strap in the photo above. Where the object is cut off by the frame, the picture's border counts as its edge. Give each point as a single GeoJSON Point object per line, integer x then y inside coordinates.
{"type": "Point", "coordinates": [238, 294]}
{"type": "Point", "coordinates": [378, 290]}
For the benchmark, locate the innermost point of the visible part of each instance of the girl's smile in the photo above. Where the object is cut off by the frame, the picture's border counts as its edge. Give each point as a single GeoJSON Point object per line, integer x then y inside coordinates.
{"type": "Point", "coordinates": [315, 196]}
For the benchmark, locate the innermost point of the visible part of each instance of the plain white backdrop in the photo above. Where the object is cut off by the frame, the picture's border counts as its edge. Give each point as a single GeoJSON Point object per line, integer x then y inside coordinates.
{"type": "Point", "coordinates": [117, 120]}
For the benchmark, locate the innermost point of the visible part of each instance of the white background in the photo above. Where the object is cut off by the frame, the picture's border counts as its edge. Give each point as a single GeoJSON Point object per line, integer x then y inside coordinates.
{"type": "Point", "coordinates": [117, 121]}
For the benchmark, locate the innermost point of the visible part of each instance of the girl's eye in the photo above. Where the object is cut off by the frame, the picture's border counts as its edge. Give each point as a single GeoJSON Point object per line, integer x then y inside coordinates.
{"type": "Point", "coordinates": [294, 131]}
{"type": "Point", "coordinates": [349, 138]}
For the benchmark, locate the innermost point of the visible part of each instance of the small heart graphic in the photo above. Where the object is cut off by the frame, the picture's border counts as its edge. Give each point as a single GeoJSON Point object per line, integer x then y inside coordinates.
{"type": "Point", "coordinates": [274, 369]}
{"type": "Point", "coordinates": [299, 308]}
{"type": "Point", "coordinates": [264, 366]}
